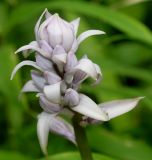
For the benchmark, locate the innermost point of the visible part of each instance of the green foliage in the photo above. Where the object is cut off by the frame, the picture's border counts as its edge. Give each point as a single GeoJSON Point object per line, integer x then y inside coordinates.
{"type": "Point", "coordinates": [75, 156]}
{"type": "Point", "coordinates": [124, 55]}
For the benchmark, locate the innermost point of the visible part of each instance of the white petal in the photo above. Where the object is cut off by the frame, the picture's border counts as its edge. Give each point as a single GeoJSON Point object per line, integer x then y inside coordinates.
{"type": "Point", "coordinates": [48, 14]}
{"type": "Point", "coordinates": [75, 24]}
{"type": "Point", "coordinates": [51, 78]}
{"type": "Point", "coordinates": [59, 60]}
{"type": "Point", "coordinates": [89, 108]}
{"type": "Point", "coordinates": [29, 87]}
{"type": "Point", "coordinates": [26, 53]}
{"type": "Point", "coordinates": [27, 63]}
{"type": "Point", "coordinates": [67, 35]}
{"type": "Point", "coordinates": [88, 67]}
{"type": "Point", "coordinates": [61, 127]}
{"type": "Point", "coordinates": [34, 48]}
{"type": "Point", "coordinates": [49, 122]}
{"type": "Point", "coordinates": [38, 79]}
{"type": "Point", "coordinates": [54, 30]}
{"type": "Point", "coordinates": [43, 127]}
{"type": "Point", "coordinates": [87, 34]}
{"type": "Point", "coordinates": [53, 92]}
{"type": "Point", "coordinates": [38, 23]}
{"type": "Point", "coordinates": [99, 74]}
{"type": "Point", "coordinates": [44, 63]}
{"type": "Point", "coordinates": [118, 107]}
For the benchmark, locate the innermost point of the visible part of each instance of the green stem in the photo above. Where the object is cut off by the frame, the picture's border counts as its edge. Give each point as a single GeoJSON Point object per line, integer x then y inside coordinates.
{"type": "Point", "coordinates": [81, 139]}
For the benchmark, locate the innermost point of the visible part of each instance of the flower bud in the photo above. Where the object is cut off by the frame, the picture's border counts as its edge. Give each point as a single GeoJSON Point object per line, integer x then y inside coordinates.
{"type": "Point", "coordinates": [56, 31]}
{"type": "Point", "coordinates": [71, 98]}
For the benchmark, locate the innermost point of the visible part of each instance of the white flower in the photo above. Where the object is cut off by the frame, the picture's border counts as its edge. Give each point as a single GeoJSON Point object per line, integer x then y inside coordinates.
{"type": "Point", "coordinates": [58, 78]}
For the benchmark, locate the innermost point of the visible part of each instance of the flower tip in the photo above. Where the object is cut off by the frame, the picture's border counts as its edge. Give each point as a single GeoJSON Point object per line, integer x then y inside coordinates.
{"type": "Point", "coordinates": [56, 15]}
{"type": "Point", "coordinates": [102, 32]}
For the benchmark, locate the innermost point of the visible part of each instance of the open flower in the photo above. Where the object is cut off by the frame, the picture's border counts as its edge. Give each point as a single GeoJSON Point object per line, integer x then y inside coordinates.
{"type": "Point", "coordinates": [58, 78]}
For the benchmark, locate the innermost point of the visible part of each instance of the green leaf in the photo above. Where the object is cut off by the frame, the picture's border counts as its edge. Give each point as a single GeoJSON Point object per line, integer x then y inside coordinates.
{"type": "Point", "coordinates": [6, 155]}
{"type": "Point", "coordinates": [11, 89]}
{"type": "Point", "coordinates": [124, 23]}
{"type": "Point", "coordinates": [126, 149]}
{"type": "Point", "coordinates": [75, 156]}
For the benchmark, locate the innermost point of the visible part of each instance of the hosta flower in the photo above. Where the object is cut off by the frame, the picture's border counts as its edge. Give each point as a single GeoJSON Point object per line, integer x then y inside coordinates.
{"type": "Point", "coordinates": [58, 77]}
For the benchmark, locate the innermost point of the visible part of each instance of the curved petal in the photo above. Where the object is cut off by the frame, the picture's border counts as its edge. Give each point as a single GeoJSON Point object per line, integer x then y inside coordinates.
{"type": "Point", "coordinates": [24, 63]}
{"type": "Point", "coordinates": [47, 106]}
{"type": "Point", "coordinates": [118, 107]}
{"type": "Point", "coordinates": [44, 63]}
{"type": "Point", "coordinates": [71, 61]}
{"type": "Point", "coordinates": [43, 130]}
{"type": "Point", "coordinates": [63, 128]}
{"type": "Point", "coordinates": [34, 48]}
{"type": "Point", "coordinates": [26, 53]}
{"type": "Point", "coordinates": [79, 77]}
{"type": "Point", "coordinates": [47, 14]}
{"type": "Point", "coordinates": [88, 67]}
{"type": "Point", "coordinates": [75, 24]}
{"type": "Point", "coordinates": [89, 108]}
{"type": "Point", "coordinates": [49, 122]}
{"type": "Point", "coordinates": [38, 23]}
{"type": "Point", "coordinates": [46, 48]}
{"type": "Point", "coordinates": [53, 92]}
{"type": "Point", "coordinates": [71, 97]}
{"type": "Point", "coordinates": [59, 60]}
{"type": "Point", "coordinates": [51, 78]}
{"type": "Point", "coordinates": [38, 79]}
{"type": "Point", "coordinates": [87, 34]}
{"type": "Point", "coordinates": [29, 87]}
{"type": "Point", "coordinates": [99, 74]}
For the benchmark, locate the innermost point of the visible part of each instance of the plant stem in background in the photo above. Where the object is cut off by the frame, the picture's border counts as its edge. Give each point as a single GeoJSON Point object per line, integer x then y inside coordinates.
{"type": "Point", "coordinates": [81, 139]}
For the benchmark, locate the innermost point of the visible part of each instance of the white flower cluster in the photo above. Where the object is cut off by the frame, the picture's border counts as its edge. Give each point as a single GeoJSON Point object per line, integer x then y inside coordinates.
{"type": "Point", "coordinates": [59, 75]}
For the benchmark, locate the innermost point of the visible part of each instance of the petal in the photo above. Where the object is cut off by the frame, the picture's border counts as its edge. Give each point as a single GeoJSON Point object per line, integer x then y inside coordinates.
{"type": "Point", "coordinates": [63, 128]}
{"type": "Point", "coordinates": [58, 50]}
{"type": "Point", "coordinates": [71, 61]}
{"type": "Point", "coordinates": [99, 74]}
{"type": "Point", "coordinates": [53, 92]}
{"type": "Point", "coordinates": [87, 34]}
{"type": "Point", "coordinates": [48, 14]}
{"type": "Point", "coordinates": [47, 106]}
{"type": "Point", "coordinates": [51, 78]}
{"type": "Point", "coordinates": [75, 24]}
{"type": "Point", "coordinates": [34, 48]}
{"type": "Point", "coordinates": [71, 97]}
{"type": "Point", "coordinates": [88, 67]}
{"type": "Point", "coordinates": [44, 63]}
{"type": "Point", "coordinates": [48, 122]}
{"type": "Point", "coordinates": [79, 77]}
{"type": "Point", "coordinates": [54, 30]}
{"type": "Point", "coordinates": [38, 24]}
{"type": "Point", "coordinates": [59, 57]}
{"type": "Point", "coordinates": [89, 108]}
{"type": "Point", "coordinates": [29, 87]}
{"type": "Point", "coordinates": [43, 127]}
{"type": "Point", "coordinates": [27, 63]}
{"type": "Point", "coordinates": [26, 53]}
{"type": "Point", "coordinates": [67, 35]}
{"type": "Point", "coordinates": [38, 79]}
{"type": "Point", "coordinates": [74, 46]}
{"type": "Point", "coordinates": [46, 48]}
{"type": "Point", "coordinates": [118, 107]}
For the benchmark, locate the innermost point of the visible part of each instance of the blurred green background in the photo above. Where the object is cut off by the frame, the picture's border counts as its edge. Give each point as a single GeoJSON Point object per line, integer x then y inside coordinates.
{"type": "Point", "coordinates": [124, 55]}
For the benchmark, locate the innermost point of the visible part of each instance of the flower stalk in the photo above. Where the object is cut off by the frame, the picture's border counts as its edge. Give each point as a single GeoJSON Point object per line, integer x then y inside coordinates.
{"type": "Point", "coordinates": [81, 138]}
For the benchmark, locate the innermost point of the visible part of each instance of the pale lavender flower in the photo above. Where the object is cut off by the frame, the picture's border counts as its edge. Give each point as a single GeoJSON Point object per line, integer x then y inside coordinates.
{"type": "Point", "coordinates": [59, 75]}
